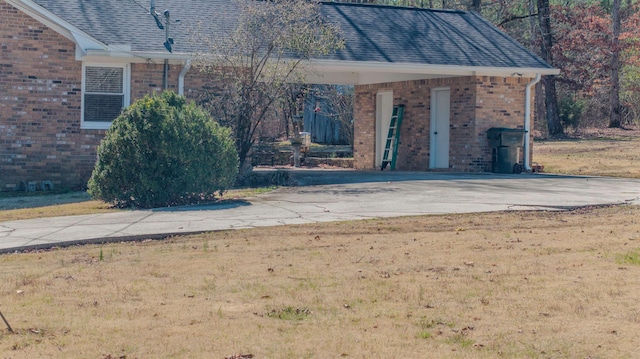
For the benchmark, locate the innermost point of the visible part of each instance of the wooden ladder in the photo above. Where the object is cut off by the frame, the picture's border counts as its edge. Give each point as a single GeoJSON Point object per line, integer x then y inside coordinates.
{"type": "Point", "coordinates": [393, 139]}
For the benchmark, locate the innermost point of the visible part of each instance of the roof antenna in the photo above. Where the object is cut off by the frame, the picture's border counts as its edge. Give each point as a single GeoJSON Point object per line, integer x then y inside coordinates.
{"type": "Point", "coordinates": [152, 11]}
{"type": "Point", "coordinates": [168, 40]}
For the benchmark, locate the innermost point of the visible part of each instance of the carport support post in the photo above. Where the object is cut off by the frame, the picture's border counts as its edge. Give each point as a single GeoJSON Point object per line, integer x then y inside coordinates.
{"type": "Point", "coordinates": [296, 154]}
{"type": "Point", "coordinates": [527, 122]}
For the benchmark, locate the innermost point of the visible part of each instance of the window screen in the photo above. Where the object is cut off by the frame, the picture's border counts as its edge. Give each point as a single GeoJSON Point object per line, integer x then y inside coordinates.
{"type": "Point", "coordinates": [103, 93]}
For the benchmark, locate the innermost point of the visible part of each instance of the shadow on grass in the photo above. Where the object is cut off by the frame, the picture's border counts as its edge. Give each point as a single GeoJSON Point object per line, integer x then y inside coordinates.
{"type": "Point", "coordinates": [22, 200]}
{"type": "Point", "coordinates": [331, 177]}
{"type": "Point", "coordinates": [211, 206]}
{"type": "Point", "coordinates": [32, 202]}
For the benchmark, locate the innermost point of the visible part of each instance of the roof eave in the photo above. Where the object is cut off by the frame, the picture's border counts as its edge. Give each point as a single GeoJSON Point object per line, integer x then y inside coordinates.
{"type": "Point", "coordinates": [117, 51]}
{"type": "Point", "coordinates": [427, 69]}
{"type": "Point", "coordinates": [124, 52]}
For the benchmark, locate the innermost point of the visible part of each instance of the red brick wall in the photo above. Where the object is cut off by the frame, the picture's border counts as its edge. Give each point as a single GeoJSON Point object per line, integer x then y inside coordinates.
{"type": "Point", "coordinates": [40, 104]}
{"type": "Point", "coordinates": [364, 126]}
{"type": "Point", "coordinates": [477, 104]}
{"type": "Point", "coordinates": [148, 78]}
{"type": "Point", "coordinates": [500, 103]}
{"type": "Point", "coordinates": [40, 100]}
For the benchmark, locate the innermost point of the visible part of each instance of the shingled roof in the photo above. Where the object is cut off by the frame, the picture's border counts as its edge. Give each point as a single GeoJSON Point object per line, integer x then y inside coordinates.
{"type": "Point", "coordinates": [375, 35]}
{"type": "Point", "coordinates": [427, 36]}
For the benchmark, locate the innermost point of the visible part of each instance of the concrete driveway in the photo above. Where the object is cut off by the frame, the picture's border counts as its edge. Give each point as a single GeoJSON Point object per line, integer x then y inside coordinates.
{"type": "Point", "coordinates": [328, 195]}
{"type": "Point", "coordinates": [387, 194]}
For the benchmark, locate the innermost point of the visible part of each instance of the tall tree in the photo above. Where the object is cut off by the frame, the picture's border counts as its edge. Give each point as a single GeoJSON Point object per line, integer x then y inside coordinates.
{"type": "Point", "coordinates": [554, 126]}
{"type": "Point", "coordinates": [533, 46]}
{"type": "Point", "coordinates": [614, 102]}
{"type": "Point", "coordinates": [476, 6]}
{"type": "Point", "coordinates": [253, 66]}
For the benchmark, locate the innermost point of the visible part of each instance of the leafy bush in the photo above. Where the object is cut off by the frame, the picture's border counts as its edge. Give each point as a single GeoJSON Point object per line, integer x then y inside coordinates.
{"type": "Point", "coordinates": [163, 151]}
{"type": "Point", "coordinates": [570, 112]}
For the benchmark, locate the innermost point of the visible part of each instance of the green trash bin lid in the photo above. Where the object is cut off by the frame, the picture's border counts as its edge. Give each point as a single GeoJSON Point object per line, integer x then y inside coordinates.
{"type": "Point", "coordinates": [500, 136]}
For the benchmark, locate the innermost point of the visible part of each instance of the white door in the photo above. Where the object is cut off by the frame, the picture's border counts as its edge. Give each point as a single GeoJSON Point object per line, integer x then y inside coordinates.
{"type": "Point", "coordinates": [384, 111]}
{"type": "Point", "coordinates": [440, 105]}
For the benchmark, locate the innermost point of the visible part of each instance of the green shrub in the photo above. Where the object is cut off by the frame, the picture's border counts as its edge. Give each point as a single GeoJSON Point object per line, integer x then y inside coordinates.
{"type": "Point", "coordinates": [163, 151]}
{"type": "Point", "coordinates": [570, 112]}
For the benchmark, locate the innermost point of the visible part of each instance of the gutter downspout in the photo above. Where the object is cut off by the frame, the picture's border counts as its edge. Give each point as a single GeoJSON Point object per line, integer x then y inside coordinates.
{"type": "Point", "coordinates": [184, 71]}
{"type": "Point", "coordinates": [527, 122]}
{"type": "Point", "coordinates": [165, 80]}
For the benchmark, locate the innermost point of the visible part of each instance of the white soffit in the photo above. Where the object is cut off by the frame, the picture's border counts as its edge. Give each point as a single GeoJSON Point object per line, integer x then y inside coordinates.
{"type": "Point", "coordinates": [361, 73]}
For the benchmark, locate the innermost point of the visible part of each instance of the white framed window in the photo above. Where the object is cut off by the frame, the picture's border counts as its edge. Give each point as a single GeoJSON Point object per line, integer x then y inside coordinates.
{"type": "Point", "coordinates": [105, 92]}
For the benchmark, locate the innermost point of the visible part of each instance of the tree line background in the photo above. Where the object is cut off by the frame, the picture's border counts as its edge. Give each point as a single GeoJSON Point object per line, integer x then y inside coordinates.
{"type": "Point", "coordinates": [595, 44]}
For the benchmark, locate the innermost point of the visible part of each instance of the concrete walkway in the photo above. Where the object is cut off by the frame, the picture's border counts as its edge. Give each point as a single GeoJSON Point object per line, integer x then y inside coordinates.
{"type": "Point", "coordinates": [326, 196]}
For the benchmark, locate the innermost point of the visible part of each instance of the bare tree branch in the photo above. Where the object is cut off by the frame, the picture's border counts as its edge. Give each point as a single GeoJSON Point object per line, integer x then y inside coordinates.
{"type": "Point", "coordinates": [516, 17]}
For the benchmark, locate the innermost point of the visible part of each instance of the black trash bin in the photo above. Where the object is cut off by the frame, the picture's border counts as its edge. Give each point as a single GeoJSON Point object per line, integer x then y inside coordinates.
{"type": "Point", "coordinates": [505, 146]}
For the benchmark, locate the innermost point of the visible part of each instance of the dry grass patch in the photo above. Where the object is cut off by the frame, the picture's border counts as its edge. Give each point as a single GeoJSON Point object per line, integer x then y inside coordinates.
{"type": "Point", "coordinates": [68, 209]}
{"type": "Point", "coordinates": [508, 285]}
{"type": "Point", "coordinates": [613, 153]}
{"type": "Point", "coordinates": [13, 207]}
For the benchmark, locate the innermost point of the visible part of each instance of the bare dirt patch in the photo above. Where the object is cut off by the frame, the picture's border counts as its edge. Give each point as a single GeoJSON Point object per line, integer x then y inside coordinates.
{"type": "Point", "coordinates": [493, 285]}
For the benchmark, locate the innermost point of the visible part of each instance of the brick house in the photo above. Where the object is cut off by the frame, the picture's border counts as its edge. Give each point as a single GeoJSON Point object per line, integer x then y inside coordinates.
{"type": "Point", "coordinates": [67, 68]}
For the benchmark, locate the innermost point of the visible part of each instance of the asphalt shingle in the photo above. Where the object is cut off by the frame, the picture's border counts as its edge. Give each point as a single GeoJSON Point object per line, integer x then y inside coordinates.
{"type": "Point", "coordinates": [375, 33]}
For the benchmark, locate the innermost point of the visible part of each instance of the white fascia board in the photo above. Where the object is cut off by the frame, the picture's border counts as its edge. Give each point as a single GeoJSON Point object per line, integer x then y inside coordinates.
{"type": "Point", "coordinates": [364, 78]}
{"type": "Point", "coordinates": [57, 24]}
{"type": "Point", "coordinates": [323, 66]}
{"type": "Point", "coordinates": [124, 51]}
{"type": "Point", "coordinates": [153, 55]}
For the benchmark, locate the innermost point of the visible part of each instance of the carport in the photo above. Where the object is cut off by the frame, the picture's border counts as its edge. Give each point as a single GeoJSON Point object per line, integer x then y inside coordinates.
{"type": "Point", "coordinates": [456, 74]}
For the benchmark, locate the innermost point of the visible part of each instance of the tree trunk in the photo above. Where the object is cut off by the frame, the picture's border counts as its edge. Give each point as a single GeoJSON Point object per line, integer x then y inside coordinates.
{"type": "Point", "coordinates": [538, 108]}
{"type": "Point", "coordinates": [614, 102]}
{"type": "Point", "coordinates": [554, 127]}
{"type": "Point", "coordinates": [475, 6]}
{"type": "Point", "coordinates": [538, 105]}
